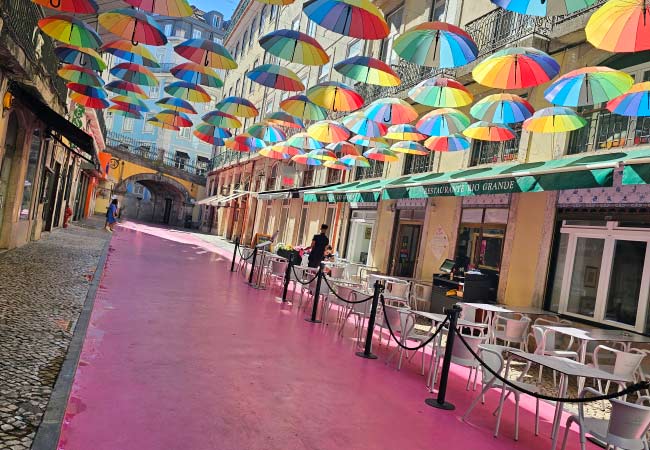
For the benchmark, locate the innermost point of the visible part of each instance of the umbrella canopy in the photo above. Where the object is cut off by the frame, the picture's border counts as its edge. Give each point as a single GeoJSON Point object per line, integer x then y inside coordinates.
{"type": "Point", "coordinates": [436, 44]}
{"type": "Point", "coordinates": [176, 104]}
{"type": "Point", "coordinates": [175, 118]}
{"type": "Point", "coordinates": [556, 119]}
{"type": "Point", "coordinates": [502, 108]}
{"type": "Point", "coordinates": [544, 8]}
{"type": "Point", "coordinates": [409, 148]}
{"type": "Point", "coordinates": [188, 91]}
{"type": "Point", "coordinates": [635, 102]}
{"type": "Point", "coordinates": [133, 73]}
{"type": "Point", "coordinates": [360, 124]}
{"type": "Point", "coordinates": [170, 8]}
{"type": "Point", "coordinates": [267, 133]}
{"type": "Point", "coordinates": [126, 111]}
{"type": "Point", "coordinates": [221, 119]}
{"type": "Point", "coordinates": [620, 26]}
{"type": "Point", "coordinates": [70, 30]}
{"type": "Point", "coordinates": [197, 74]}
{"type": "Point", "coordinates": [390, 111]}
{"type": "Point", "coordinates": [206, 52]}
{"type": "Point", "coordinates": [237, 106]}
{"type": "Point", "coordinates": [323, 154]}
{"type": "Point", "coordinates": [249, 141]}
{"type": "Point", "coordinates": [276, 77]}
{"type": "Point", "coordinates": [122, 87]}
{"type": "Point", "coordinates": [354, 18]}
{"type": "Point", "coordinates": [76, 74]}
{"type": "Point", "coordinates": [89, 101]}
{"type": "Point", "coordinates": [404, 132]}
{"type": "Point", "coordinates": [328, 131]}
{"type": "Point", "coordinates": [90, 91]}
{"type": "Point", "coordinates": [485, 131]}
{"type": "Point", "coordinates": [126, 50]}
{"type": "Point", "coordinates": [343, 148]}
{"type": "Point", "coordinates": [231, 144]}
{"type": "Point", "coordinates": [354, 161]}
{"type": "Point", "coordinates": [133, 101]}
{"type": "Point", "coordinates": [588, 86]}
{"type": "Point", "coordinates": [335, 96]}
{"type": "Point", "coordinates": [368, 70]}
{"type": "Point", "coordinates": [307, 160]}
{"type": "Point", "coordinates": [133, 24]}
{"type": "Point", "coordinates": [160, 124]}
{"type": "Point", "coordinates": [381, 154]}
{"type": "Point", "coordinates": [300, 106]}
{"type": "Point", "coordinates": [304, 142]}
{"type": "Point", "coordinates": [71, 6]}
{"type": "Point", "coordinates": [84, 57]}
{"type": "Point", "coordinates": [453, 143]}
{"type": "Point", "coordinates": [284, 119]}
{"type": "Point", "coordinates": [443, 122]}
{"type": "Point", "coordinates": [209, 133]}
{"type": "Point", "coordinates": [439, 92]}
{"type": "Point", "coordinates": [516, 68]}
{"type": "Point", "coordinates": [336, 165]}
{"type": "Point", "coordinates": [277, 151]}
{"type": "Point", "coordinates": [364, 141]}
{"type": "Point", "coordinates": [294, 46]}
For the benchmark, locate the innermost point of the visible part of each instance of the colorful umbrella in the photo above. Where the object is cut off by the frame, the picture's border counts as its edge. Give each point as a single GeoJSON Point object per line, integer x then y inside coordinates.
{"type": "Point", "coordinates": [336, 165]}
{"type": "Point", "coordinates": [160, 124]}
{"type": "Point", "coordinates": [441, 92]}
{"type": "Point", "coordinates": [89, 91]}
{"type": "Point", "coordinates": [126, 111]}
{"type": "Point", "coordinates": [635, 102]}
{"type": "Point", "coordinates": [360, 124]}
{"type": "Point", "coordinates": [307, 160]}
{"type": "Point", "coordinates": [175, 118]}
{"type": "Point", "coordinates": [88, 101]}
{"type": "Point", "coordinates": [304, 142]}
{"type": "Point", "coordinates": [294, 46]}
{"type": "Point", "coordinates": [187, 91]}
{"type": "Point", "coordinates": [84, 57]}
{"type": "Point", "coordinates": [436, 44]}
{"type": "Point", "coordinates": [588, 86]}
{"type": "Point", "coordinates": [70, 30]}
{"type": "Point", "coordinates": [134, 73]}
{"type": "Point", "coordinates": [391, 111]}
{"type": "Point", "coordinates": [369, 141]}
{"type": "Point", "coordinates": [237, 106]}
{"type": "Point", "coordinates": [203, 132]}
{"type": "Point", "coordinates": [71, 6]}
{"type": "Point", "coordinates": [126, 50]}
{"type": "Point", "coordinates": [368, 70]}
{"type": "Point", "coordinates": [133, 24]}
{"type": "Point", "coordinates": [122, 87]}
{"type": "Point", "coordinates": [323, 154]}
{"type": "Point", "coordinates": [409, 148]}
{"type": "Point", "coordinates": [381, 154]}
{"type": "Point", "coordinates": [197, 74]}
{"type": "Point", "coordinates": [206, 52]}
{"type": "Point", "coordinates": [249, 141]}
{"type": "Point", "coordinates": [335, 96]}
{"type": "Point", "coordinates": [328, 131]}
{"type": "Point", "coordinates": [354, 18]}
{"type": "Point", "coordinates": [76, 74]}
{"type": "Point", "coordinates": [620, 26]}
{"type": "Point", "coordinates": [404, 132]}
{"type": "Point", "coordinates": [485, 131]}
{"type": "Point", "coordinates": [544, 8]}
{"type": "Point", "coordinates": [170, 8]}
{"type": "Point", "coordinates": [443, 122]}
{"type": "Point", "coordinates": [277, 151]}
{"type": "Point", "coordinates": [176, 104]}
{"type": "Point", "coordinates": [502, 108]}
{"type": "Point", "coordinates": [453, 143]}
{"type": "Point", "coordinates": [132, 101]}
{"type": "Point", "coordinates": [284, 119]}
{"type": "Point", "coordinates": [354, 161]}
{"type": "Point", "coordinates": [303, 108]}
{"type": "Point", "coordinates": [516, 68]}
{"type": "Point", "coordinates": [231, 144]}
{"type": "Point", "coordinates": [556, 119]}
{"type": "Point", "coordinates": [267, 133]}
{"type": "Point", "coordinates": [276, 77]}
{"type": "Point", "coordinates": [222, 119]}
{"type": "Point", "coordinates": [343, 148]}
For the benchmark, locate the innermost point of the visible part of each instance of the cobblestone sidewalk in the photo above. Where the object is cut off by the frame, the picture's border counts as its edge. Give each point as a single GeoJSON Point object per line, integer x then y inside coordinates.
{"type": "Point", "coordinates": [43, 286]}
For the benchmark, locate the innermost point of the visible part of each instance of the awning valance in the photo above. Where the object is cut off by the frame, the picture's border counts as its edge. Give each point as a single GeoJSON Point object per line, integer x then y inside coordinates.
{"type": "Point", "coordinates": [354, 192]}
{"type": "Point", "coordinates": [292, 192]}
{"type": "Point", "coordinates": [217, 200]}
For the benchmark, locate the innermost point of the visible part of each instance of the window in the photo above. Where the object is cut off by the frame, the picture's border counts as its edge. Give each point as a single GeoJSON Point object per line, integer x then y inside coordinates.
{"type": "Point", "coordinates": [267, 216]}
{"type": "Point", "coordinates": [196, 34]}
{"type": "Point", "coordinates": [418, 163]}
{"type": "Point", "coordinates": [161, 55]}
{"type": "Point", "coordinates": [250, 88]}
{"type": "Point", "coordinates": [252, 35]}
{"type": "Point", "coordinates": [311, 28]}
{"type": "Point", "coordinates": [308, 176]}
{"type": "Point", "coordinates": [324, 71]}
{"type": "Point", "coordinates": [284, 218]}
{"type": "Point", "coordinates": [30, 176]}
{"type": "Point", "coordinates": [168, 29]}
{"type": "Point", "coordinates": [489, 152]}
{"type": "Point", "coordinates": [268, 107]}
{"type": "Point", "coordinates": [237, 87]}
{"type": "Point", "coordinates": [181, 159]}
{"type": "Point", "coordinates": [127, 124]}
{"type": "Point", "coordinates": [271, 181]}
{"type": "Point", "coordinates": [480, 238]}
{"type": "Point", "coordinates": [438, 10]}
{"type": "Point", "coordinates": [181, 32]}
{"type": "Point", "coordinates": [295, 25]}
{"type": "Point", "coordinates": [334, 176]}
{"type": "Point", "coordinates": [375, 170]}
{"type": "Point", "coordinates": [236, 55]}
{"type": "Point", "coordinates": [329, 220]}
{"type": "Point", "coordinates": [355, 48]}
{"type": "Point", "coordinates": [154, 91]}
{"type": "Point", "coordinates": [394, 21]}
{"type": "Point", "coordinates": [274, 11]}
{"type": "Point", "coordinates": [265, 11]}
{"type": "Point", "coordinates": [185, 132]}
{"type": "Point", "coordinates": [244, 42]}
{"type": "Point", "coordinates": [146, 126]}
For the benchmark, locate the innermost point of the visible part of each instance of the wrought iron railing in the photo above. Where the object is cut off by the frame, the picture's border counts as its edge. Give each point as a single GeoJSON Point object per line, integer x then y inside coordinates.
{"type": "Point", "coordinates": [226, 157]}
{"type": "Point", "coordinates": [418, 164]}
{"type": "Point", "coordinates": [605, 130]}
{"type": "Point", "coordinates": [333, 176]}
{"type": "Point", "coordinates": [488, 152]}
{"type": "Point", "coordinates": [308, 176]}
{"type": "Point", "coordinates": [582, 12]}
{"type": "Point", "coordinates": [375, 170]}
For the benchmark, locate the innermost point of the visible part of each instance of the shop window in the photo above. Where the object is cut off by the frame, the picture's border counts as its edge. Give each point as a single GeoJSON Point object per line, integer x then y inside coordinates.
{"type": "Point", "coordinates": [488, 152]}
{"type": "Point", "coordinates": [360, 235]}
{"type": "Point", "coordinates": [480, 238]}
{"type": "Point", "coordinates": [394, 20]}
{"type": "Point", "coordinates": [30, 176]}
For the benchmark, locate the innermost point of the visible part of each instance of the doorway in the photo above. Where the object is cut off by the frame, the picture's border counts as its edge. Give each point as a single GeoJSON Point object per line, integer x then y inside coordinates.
{"type": "Point", "coordinates": [167, 211]}
{"type": "Point", "coordinates": [52, 186]}
{"type": "Point", "coordinates": [405, 252]}
{"type": "Point", "coordinates": [7, 162]}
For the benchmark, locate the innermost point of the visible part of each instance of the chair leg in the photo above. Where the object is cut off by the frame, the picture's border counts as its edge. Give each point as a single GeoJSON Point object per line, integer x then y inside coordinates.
{"type": "Point", "coordinates": [469, 378]}
{"type": "Point", "coordinates": [501, 402]}
{"type": "Point", "coordinates": [516, 416]}
{"type": "Point", "coordinates": [536, 417]}
{"type": "Point", "coordinates": [475, 401]}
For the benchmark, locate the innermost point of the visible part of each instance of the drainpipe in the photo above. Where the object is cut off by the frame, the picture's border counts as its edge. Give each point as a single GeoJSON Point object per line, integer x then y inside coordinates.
{"type": "Point", "coordinates": [248, 203]}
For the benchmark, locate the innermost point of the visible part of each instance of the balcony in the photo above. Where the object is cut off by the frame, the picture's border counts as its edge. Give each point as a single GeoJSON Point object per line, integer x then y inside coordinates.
{"type": "Point", "coordinates": [375, 170]}
{"type": "Point", "coordinates": [486, 152]}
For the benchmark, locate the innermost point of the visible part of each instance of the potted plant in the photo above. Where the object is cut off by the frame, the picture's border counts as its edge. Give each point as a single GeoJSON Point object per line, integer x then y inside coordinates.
{"type": "Point", "coordinates": [288, 252]}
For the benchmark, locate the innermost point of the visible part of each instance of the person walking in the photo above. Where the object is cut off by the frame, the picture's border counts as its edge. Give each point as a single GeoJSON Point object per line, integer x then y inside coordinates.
{"type": "Point", "coordinates": [318, 245]}
{"type": "Point", "coordinates": [111, 215]}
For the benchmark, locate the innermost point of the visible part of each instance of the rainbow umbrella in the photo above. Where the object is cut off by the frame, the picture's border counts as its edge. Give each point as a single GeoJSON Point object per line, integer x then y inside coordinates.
{"type": "Point", "coordinates": [122, 87]}
{"type": "Point", "coordinates": [381, 154]}
{"type": "Point", "coordinates": [175, 118]}
{"type": "Point", "coordinates": [516, 68]}
{"type": "Point", "coordinates": [126, 50]}
{"type": "Point", "coordinates": [231, 144]}
{"type": "Point", "coordinates": [221, 119]}
{"type": "Point", "coordinates": [303, 108]}
{"type": "Point", "coordinates": [284, 119]}
{"type": "Point", "coordinates": [436, 44]}
{"type": "Point", "coordinates": [307, 160]}
{"type": "Point", "coordinates": [453, 143]}
{"type": "Point", "coordinates": [294, 46]}
{"type": "Point", "coordinates": [206, 133]}
{"type": "Point", "coordinates": [588, 86]}
{"type": "Point", "coordinates": [133, 24]}
{"type": "Point", "coordinates": [556, 119]}
{"type": "Point", "coordinates": [620, 26]}
{"type": "Point", "coordinates": [88, 101]}
{"type": "Point", "coordinates": [134, 73]}
{"type": "Point", "coordinates": [404, 132]}
{"type": "Point", "coordinates": [635, 102]}
{"type": "Point", "coordinates": [71, 6]}
{"type": "Point", "coordinates": [249, 141]}
{"type": "Point", "coordinates": [84, 57]}
{"type": "Point", "coordinates": [132, 101]}
{"type": "Point", "coordinates": [354, 18]}
{"type": "Point", "coordinates": [360, 124]}
{"type": "Point", "coordinates": [485, 131]}
{"type": "Point", "coordinates": [70, 30]}
{"type": "Point", "coordinates": [277, 151]}
{"type": "Point", "coordinates": [126, 111]}
{"type": "Point", "coordinates": [409, 148]}
{"type": "Point", "coordinates": [335, 96]}
{"type": "Point", "coordinates": [276, 77]}
{"type": "Point", "coordinates": [89, 91]}
{"type": "Point", "coordinates": [544, 8]}
{"type": "Point", "coordinates": [187, 91]}
{"type": "Point", "coordinates": [390, 110]}
{"type": "Point", "coordinates": [336, 165]}
{"type": "Point", "coordinates": [343, 148]}
{"type": "Point", "coordinates": [443, 122]}
{"type": "Point", "coordinates": [354, 161]}
{"type": "Point", "coordinates": [160, 124]}
{"type": "Point", "coordinates": [197, 74]}
{"type": "Point", "coordinates": [169, 8]}
{"type": "Point", "coordinates": [177, 104]}
{"type": "Point", "coordinates": [439, 92]}
{"type": "Point", "coordinates": [328, 131]}
{"type": "Point", "coordinates": [267, 133]}
{"type": "Point", "coordinates": [237, 106]}
{"type": "Point", "coordinates": [304, 141]}
{"type": "Point", "coordinates": [207, 53]}
{"type": "Point", "coordinates": [323, 154]}
{"type": "Point", "coordinates": [214, 132]}
{"type": "Point", "coordinates": [502, 108]}
{"type": "Point", "coordinates": [369, 141]}
{"type": "Point", "coordinates": [76, 74]}
{"type": "Point", "coordinates": [368, 70]}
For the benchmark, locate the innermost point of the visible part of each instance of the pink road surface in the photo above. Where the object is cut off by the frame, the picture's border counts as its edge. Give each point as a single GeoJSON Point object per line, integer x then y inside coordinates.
{"type": "Point", "coordinates": [181, 354]}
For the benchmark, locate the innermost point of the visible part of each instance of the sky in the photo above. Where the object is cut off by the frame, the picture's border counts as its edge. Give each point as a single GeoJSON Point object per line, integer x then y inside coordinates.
{"type": "Point", "coordinates": [225, 6]}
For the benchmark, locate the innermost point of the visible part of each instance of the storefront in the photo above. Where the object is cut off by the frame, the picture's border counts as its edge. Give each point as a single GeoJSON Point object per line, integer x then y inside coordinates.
{"type": "Point", "coordinates": [407, 233]}
{"type": "Point", "coordinates": [361, 229]}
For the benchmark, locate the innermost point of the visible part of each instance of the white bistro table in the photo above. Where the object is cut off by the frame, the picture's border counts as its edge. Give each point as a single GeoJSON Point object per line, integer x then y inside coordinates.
{"type": "Point", "coordinates": [491, 311]}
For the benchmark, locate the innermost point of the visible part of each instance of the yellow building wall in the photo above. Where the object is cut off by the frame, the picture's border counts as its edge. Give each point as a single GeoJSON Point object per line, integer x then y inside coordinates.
{"type": "Point", "coordinates": [127, 169]}
{"type": "Point", "coordinates": [439, 235]}
{"type": "Point", "coordinates": [381, 245]}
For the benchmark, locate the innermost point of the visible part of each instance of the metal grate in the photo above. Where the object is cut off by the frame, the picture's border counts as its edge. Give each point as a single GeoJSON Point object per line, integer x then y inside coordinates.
{"type": "Point", "coordinates": [375, 170]}
{"type": "Point", "coordinates": [486, 152]}
{"type": "Point", "coordinates": [418, 164]}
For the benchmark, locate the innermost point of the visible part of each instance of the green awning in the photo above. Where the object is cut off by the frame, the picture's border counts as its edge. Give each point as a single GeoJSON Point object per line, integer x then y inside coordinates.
{"type": "Point", "coordinates": [637, 168]}
{"type": "Point", "coordinates": [356, 191]}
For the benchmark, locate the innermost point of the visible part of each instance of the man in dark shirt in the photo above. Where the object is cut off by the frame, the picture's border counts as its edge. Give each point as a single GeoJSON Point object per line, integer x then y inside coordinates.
{"type": "Point", "coordinates": [318, 245]}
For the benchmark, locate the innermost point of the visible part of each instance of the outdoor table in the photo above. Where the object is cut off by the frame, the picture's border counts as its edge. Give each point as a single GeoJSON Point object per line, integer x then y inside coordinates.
{"type": "Point", "coordinates": [491, 311]}
{"type": "Point", "coordinates": [566, 368]}
{"type": "Point", "coordinates": [439, 318]}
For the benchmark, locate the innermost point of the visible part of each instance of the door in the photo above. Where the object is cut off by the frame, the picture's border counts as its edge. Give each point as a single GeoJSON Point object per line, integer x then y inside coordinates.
{"type": "Point", "coordinates": [7, 162]}
{"type": "Point", "coordinates": [52, 187]}
{"type": "Point", "coordinates": [405, 252]}
{"type": "Point", "coordinates": [168, 211]}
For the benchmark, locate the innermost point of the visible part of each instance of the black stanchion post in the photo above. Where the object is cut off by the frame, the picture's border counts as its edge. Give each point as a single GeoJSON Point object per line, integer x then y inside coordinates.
{"type": "Point", "coordinates": [250, 277]}
{"type": "Point", "coordinates": [367, 352]}
{"type": "Point", "coordinates": [319, 279]}
{"type": "Point", "coordinates": [234, 255]}
{"type": "Point", "coordinates": [287, 278]}
{"type": "Point", "coordinates": [440, 402]}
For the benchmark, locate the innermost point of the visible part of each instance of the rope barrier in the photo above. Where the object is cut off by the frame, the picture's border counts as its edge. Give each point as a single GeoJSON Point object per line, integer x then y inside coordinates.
{"type": "Point", "coordinates": [628, 390]}
{"type": "Point", "coordinates": [351, 302]}
{"type": "Point", "coordinates": [241, 255]}
{"type": "Point", "coordinates": [423, 344]}
{"type": "Point", "coordinates": [297, 278]}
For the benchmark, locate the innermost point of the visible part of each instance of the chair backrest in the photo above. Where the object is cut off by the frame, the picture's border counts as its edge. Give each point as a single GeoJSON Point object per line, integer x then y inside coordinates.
{"type": "Point", "coordinates": [278, 267]}
{"type": "Point", "coordinates": [337, 271]}
{"type": "Point", "coordinates": [345, 292]}
{"type": "Point", "coordinates": [401, 321]}
{"type": "Point", "coordinates": [628, 424]}
{"type": "Point", "coordinates": [493, 358]}
{"type": "Point", "coordinates": [246, 253]}
{"type": "Point", "coordinates": [422, 291]}
{"type": "Point", "coordinates": [461, 355]}
{"type": "Point", "coordinates": [372, 279]}
{"type": "Point", "coordinates": [304, 260]}
{"type": "Point", "coordinates": [468, 313]}
{"type": "Point", "coordinates": [627, 363]}
{"type": "Point", "coordinates": [516, 330]}
{"type": "Point", "coordinates": [398, 288]}
{"type": "Point", "coordinates": [544, 339]}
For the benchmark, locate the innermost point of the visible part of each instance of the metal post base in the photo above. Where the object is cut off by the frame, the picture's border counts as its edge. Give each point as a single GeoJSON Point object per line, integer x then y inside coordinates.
{"type": "Point", "coordinates": [260, 288]}
{"type": "Point", "coordinates": [308, 319]}
{"type": "Point", "coordinates": [366, 356]}
{"type": "Point", "coordinates": [445, 405]}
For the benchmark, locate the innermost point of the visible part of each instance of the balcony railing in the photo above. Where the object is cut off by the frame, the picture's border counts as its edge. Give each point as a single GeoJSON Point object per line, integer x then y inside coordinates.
{"type": "Point", "coordinates": [605, 130]}
{"type": "Point", "coordinates": [487, 152]}
{"type": "Point", "coordinates": [375, 170]}
{"type": "Point", "coordinates": [418, 164]}
{"type": "Point", "coordinates": [582, 12]}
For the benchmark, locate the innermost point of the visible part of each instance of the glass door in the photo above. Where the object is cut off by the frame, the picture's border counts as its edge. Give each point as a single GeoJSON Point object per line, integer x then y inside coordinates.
{"type": "Point", "coordinates": [406, 250]}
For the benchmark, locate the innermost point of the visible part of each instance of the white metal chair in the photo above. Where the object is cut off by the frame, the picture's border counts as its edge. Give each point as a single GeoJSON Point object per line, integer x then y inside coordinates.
{"type": "Point", "coordinates": [277, 271]}
{"type": "Point", "coordinates": [359, 311]}
{"type": "Point", "coordinates": [468, 313]}
{"type": "Point", "coordinates": [461, 356]}
{"type": "Point", "coordinates": [244, 259]}
{"type": "Point", "coordinates": [625, 365]}
{"type": "Point", "coordinates": [402, 322]}
{"type": "Point", "coordinates": [421, 296]}
{"type": "Point", "coordinates": [344, 292]}
{"type": "Point", "coordinates": [512, 331]}
{"type": "Point", "coordinates": [336, 272]}
{"type": "Point", "coordinates": [546, 344]}
{"type": "Point", "coordinates": [397, 292]}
